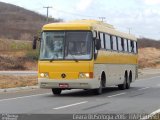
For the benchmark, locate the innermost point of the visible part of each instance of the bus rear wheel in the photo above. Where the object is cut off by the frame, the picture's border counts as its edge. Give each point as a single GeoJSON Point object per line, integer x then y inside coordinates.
{"type": "Point", "coordinates": [122, 86]}
{"type": "Point", "coordinates": [56, 91]}
{"type": "Point", "coordinates": [128, 84]}
{"type": "Point", "coordinates": [129, 80]}
{"type": "Point", "coordinates": [125, 84]}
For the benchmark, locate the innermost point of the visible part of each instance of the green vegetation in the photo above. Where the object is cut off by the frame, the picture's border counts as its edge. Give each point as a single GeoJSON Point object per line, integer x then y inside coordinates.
{"type": "Point", "coordinates": [15, 45]}
{"type": "Point", "coordinates": [20, 46]}
{"type": "Point", "coordinates": [32, 55]}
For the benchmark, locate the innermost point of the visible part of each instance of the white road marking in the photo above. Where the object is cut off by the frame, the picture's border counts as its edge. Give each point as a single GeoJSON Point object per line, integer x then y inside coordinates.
{"type": "Point", "coordinates": [144, 88]}
{"type": "Point", "coordinates": [23, 97]}
{"type": "Point", "coordinates": [70, 105]}
{"type": "Point", "coordinates": [116, 95]}
{"type": "Point", "coordinates": [151, 115]}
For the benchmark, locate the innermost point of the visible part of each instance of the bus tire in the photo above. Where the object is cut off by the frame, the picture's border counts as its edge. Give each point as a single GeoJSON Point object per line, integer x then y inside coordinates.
{"type": "Point", "coordinates": [129, 79]}
{"type": "Point", "coordinates": [124, 85]}
{"type": "Point", "coordinates": [99, 90]}
{"type": "Point", "coordinates": [85, 89]}
{"type": "Point", "coordinates": [56, 91]}
{"type": "Point", "coordinates": [128, 84]}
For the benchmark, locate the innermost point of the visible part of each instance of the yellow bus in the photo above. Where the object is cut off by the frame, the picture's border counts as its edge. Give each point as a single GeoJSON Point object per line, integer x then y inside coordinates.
{"type": "Point", "coordinates": [86, 54]}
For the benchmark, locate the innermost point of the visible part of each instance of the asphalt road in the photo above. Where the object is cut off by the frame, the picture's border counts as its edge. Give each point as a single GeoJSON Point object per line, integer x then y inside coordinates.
{"type": "Point", "coordinates": [143, 97]}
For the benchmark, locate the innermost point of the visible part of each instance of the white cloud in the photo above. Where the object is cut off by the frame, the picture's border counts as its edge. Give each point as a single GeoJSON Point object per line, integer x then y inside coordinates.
{"type": "Point", "coordinates": [152, 2]}
{"type": "Point", "coordinates": [151, 11]}
{"type": "Point", "coordinates": [82, 5]}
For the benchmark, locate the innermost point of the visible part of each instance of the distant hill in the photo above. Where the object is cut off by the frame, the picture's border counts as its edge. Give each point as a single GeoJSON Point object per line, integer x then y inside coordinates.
{"type": "Point", "coordinates": [19, 23]}
{"type": "Point", "coordinates": [145, 42]}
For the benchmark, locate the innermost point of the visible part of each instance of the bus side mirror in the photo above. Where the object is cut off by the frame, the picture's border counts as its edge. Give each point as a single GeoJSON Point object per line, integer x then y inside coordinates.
{"type": "Point", "coordinates": [98, 44]}
{"type": "Point", "coordinates": [34, 46]}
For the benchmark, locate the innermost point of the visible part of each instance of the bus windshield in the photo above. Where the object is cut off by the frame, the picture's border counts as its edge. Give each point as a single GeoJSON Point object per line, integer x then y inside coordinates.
{"type": "Point", "coordinates": [69, 45]}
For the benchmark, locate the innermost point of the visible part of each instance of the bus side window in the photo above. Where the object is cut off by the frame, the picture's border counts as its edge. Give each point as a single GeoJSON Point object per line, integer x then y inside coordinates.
{"type": "Point", "coordinates": [102, 40]}
{"type": "Point", "coordinates": [114, 43]}
{"type": "Point", "coordinates": [132, 46]}
{"type": "Point", "coordinates": [137, 47]}
{"type": "Point", "coordinates": [125, 45]}
{"type": "Point", "coordinates": [129, 45]}
{"type": "Point", "coordinates": [111, 39]}
{"type": "Point", "coordinates": [107, 41]}
{"type": "Point", "coordinates": [120, 44]}
{"type": "Point", "coordinates": [117, 42]}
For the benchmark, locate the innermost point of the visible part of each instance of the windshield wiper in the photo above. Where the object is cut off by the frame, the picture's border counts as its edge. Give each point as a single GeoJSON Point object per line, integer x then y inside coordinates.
{"type": "Point", "coordinates": [76, 60]}
{"type": "Point", "coordinates": [51, 60]}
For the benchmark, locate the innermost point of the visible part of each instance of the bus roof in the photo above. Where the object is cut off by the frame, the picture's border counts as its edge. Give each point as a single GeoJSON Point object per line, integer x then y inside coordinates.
{"type": "Point", "coordinates": [88, 25]}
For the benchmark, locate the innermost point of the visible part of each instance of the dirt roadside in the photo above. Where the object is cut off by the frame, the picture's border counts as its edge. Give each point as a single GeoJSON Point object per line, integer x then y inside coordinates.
{"type": "Point", "coordinates": [13, 81]}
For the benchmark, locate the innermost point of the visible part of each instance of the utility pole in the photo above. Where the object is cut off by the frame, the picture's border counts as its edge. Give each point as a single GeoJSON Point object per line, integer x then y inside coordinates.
{"type": "Point", "coordinates": [47, 7]}
{"type": "Point", "coordinates": [129, 30]}
{"type": "Point", "coordinates": [102, 18]}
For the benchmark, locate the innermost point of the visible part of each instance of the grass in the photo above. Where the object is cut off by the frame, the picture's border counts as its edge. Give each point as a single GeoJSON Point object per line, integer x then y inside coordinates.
{"type": "Point", "coordinates": [14, 45]}
{"type": "Point", "coordinates": [20, 46]}
{"type": "Point", "coordinates": [32, 54]}
{"type": "Point", "coordinates": [17, 55]}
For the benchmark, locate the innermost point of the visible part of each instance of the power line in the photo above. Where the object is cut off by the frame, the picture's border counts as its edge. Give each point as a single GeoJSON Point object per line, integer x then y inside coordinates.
{"type": "Point", "coordinates": [47, 7]}
{"type": "Point", "coordinates": [75, 14]}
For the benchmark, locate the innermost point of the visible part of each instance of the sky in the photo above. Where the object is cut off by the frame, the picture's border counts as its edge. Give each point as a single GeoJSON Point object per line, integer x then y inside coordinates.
{"type": "Point", "coordinates": [140, 17]}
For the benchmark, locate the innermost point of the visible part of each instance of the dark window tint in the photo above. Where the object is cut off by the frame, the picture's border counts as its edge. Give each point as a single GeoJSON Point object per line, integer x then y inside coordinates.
{"type": "Point", "coordinates": [102, 40]}
{"type": "Point", "coordinates": [135, 47]}
{"type": "Point", "coordinates": [122, 44]}
{"type": "Point", "coordinates": [132, 46]}
{"type": "Point", "coordinates": [111, 38]}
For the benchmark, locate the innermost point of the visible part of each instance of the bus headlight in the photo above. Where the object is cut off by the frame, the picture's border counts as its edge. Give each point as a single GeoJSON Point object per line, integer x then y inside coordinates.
{"type": "Point", "coordinates": [86, 75]}
{"type": "Point", "coordinates": [44, 75]}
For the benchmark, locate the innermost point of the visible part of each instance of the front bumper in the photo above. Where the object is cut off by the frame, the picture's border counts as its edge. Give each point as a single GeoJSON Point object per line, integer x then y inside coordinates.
{"type": "Point", "coordinates": [73, 84]}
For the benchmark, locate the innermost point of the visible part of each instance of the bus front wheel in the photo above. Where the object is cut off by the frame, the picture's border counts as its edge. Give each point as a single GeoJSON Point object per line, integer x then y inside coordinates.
{"type": "Point", "coordinates": [99, 90]}
{"type": "Point", "coordinates": [56, 91]}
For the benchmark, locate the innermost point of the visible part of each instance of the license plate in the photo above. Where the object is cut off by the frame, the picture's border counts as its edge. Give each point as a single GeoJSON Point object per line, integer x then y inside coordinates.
{"type": "Point", "coordinates": [63, 85]}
